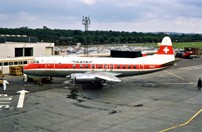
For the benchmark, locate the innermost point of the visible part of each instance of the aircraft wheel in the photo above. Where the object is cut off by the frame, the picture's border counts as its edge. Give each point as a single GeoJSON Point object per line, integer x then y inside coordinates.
{"type": "Point", "coordinates": [40, 83]}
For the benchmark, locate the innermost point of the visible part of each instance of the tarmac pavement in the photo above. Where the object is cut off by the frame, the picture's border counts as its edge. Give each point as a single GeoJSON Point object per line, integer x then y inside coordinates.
{"type": "Point", "coordinates": [153, 102]}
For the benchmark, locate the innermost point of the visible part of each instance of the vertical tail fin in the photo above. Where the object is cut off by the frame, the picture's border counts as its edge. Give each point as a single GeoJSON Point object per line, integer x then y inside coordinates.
{"type": "Point", "coordinates": [165, 55]}
{"type": "Point", "coordinates": [166, 47]}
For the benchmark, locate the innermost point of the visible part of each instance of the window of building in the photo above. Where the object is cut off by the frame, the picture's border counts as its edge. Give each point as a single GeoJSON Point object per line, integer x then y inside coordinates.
{"type": "Point", "coordinates": [10, 63]}
{"type": "Point", "coordinates": [15, 63]}
{"type": "Point", "coordinates": [5, 63]}
{"type": "Point", "coordinates": [24, 62]}
{"type": "Point", "coordinates": [28, 51]}
{"type": "Point", "coordinates": [18, 52]}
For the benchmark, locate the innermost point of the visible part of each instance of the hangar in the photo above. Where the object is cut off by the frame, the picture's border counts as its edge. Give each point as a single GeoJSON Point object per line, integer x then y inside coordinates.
{"type": "Point", "coordinates": [19, 49]}
{"type": "Point", "coordinates": [20, 53]}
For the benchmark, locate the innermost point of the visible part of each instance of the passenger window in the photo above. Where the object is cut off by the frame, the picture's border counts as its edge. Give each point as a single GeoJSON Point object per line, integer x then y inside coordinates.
{"type": "Point", "coordinates": [105, 66]}
{"type": "Point", "coordinates": [93, 66]}
{"type": "Point", "coordinates": [134, 66]}
{"type": "Point", "coordinates": [81, 66]}
{"type": "Point", "coordinates": [74, 66]}
{"type": "Point", "coordinates": [118, 66]}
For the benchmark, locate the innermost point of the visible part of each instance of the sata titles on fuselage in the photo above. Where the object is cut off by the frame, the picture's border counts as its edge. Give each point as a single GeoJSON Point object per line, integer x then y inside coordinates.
{"type": "Point", "coordinates": [83, 61]}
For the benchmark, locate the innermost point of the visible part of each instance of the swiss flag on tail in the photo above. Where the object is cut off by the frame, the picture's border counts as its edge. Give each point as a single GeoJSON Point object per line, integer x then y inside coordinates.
{"type": "Point", "coordinates": [166, 47]}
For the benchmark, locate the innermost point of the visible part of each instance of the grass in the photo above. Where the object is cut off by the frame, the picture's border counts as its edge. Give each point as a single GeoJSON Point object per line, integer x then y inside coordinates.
{"type": "Point", "coordinates": [188, 44]}
{"type": "Point", "coordinates": [180, 45]}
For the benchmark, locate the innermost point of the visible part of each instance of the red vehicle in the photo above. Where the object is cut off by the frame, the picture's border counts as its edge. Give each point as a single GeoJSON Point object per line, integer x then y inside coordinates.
{"type": "Point", "coordinates": [186, 54]}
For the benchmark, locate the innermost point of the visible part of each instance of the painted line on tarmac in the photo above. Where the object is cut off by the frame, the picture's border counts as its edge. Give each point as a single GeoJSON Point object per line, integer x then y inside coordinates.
{"type": "Point", "coordinates": [5, 102]}
{"type": "Point", "coordinates": [179, 83]}
{"type": "Point", "coordinates": [5, 99]}
{"type": "Point", "coordinates": [183, 124]}
{"type": "Point", "coordinates": [21, 98]}
{"type": "Point", "coordinates": [3, 95]}
{"type": "Point", "coordinates": [4, 106]}
{"type": "Point", "coordinates": [177, 76]}
{"type": "Point", "coordinates": [174, 75]}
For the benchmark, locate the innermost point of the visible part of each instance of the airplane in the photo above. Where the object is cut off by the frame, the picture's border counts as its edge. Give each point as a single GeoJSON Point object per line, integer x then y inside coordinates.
{"type": "Point", "coordinates": [99, 70]}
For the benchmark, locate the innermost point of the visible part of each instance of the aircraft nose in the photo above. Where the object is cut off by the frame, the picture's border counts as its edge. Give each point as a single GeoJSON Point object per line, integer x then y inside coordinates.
{"type": "Point", "coordinates": [26, 67]}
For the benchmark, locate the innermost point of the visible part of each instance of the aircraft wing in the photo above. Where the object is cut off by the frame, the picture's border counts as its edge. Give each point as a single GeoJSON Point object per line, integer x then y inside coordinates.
{"type": "Point", "coordinates": [95, 75]}
{"type": "Point", "coordinates": [106, 76]}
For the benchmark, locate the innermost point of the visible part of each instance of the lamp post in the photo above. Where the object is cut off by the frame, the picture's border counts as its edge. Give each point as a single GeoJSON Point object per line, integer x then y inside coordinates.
{"type": "Point", "coordinates": [86, 22]}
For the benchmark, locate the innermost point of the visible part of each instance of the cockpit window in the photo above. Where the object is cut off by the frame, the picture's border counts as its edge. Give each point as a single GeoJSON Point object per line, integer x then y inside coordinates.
{"type": "Point", "coordinates": [36, 62]}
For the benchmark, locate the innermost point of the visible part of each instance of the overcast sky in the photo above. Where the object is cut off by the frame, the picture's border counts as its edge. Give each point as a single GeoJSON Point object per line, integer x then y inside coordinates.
{"type": "Point", "coordinates": [117, 15]}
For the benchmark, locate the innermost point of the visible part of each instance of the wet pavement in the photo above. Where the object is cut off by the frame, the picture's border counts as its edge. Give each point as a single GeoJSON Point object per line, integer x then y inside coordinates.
{"type": "Point", "coordinates": [147, 103]}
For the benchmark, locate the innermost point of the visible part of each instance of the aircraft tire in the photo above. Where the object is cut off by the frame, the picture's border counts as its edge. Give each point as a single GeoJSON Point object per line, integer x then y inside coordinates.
{"type": "Point", "coordinates": [40, 83]}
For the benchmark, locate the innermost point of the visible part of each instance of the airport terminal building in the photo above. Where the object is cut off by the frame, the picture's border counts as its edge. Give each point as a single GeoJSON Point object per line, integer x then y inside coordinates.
{"type": "Point", "coordinates": [21, 52]}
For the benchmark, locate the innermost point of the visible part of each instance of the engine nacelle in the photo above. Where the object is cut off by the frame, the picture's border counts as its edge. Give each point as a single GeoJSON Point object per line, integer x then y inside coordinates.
{"type": "Point", "coordinates": [83, 77]}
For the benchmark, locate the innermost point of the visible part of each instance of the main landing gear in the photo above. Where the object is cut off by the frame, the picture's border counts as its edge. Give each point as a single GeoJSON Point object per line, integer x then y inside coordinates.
{"type": "Point", "coordinates": [41, 81]}
{"type": "Point", "coordinates": [98, 84]}
{"type": "Point", "coordinates": [91, 84]}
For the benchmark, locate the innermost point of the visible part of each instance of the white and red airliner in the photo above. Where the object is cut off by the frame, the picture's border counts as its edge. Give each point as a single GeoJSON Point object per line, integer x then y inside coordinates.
{"type": "Point", "coordinates": [99, 70]}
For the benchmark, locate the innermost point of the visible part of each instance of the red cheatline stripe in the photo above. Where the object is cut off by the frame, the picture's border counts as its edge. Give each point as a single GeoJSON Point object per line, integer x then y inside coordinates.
{"type": "Point", "coordinates": [92, 66]}
{"type": "Point", "coordinates": [98, 70]}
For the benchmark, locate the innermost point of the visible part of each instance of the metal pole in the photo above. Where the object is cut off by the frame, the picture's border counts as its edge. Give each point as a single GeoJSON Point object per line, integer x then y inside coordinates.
{"type": "Point", "coordinates": [86, 22]}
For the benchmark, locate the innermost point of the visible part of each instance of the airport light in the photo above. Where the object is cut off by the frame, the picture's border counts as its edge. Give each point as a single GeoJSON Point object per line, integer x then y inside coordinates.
{"type": "Point", "coordinates": [86, 22]}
